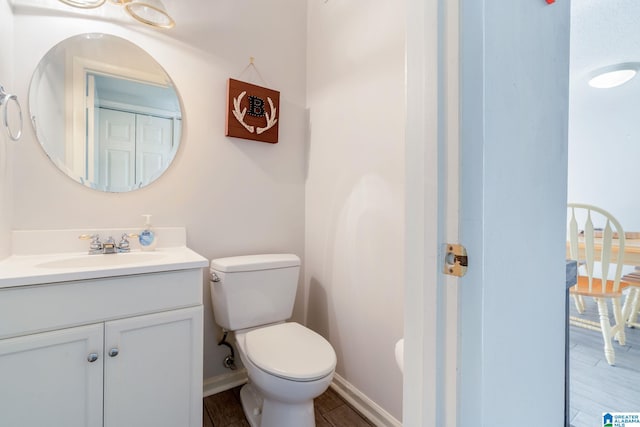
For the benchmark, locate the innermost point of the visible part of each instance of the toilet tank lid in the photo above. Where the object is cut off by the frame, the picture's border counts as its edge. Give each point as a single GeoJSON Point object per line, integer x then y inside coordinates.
{"type": "Point", "coordinates": [255, 262]}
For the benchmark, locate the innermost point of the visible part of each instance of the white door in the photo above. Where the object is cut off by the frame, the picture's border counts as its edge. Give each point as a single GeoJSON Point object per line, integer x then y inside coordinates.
{"type": "Point", "coordinates": [154, 145]}
{"type": "Point", "coordinates": [513, 171]}
{"type": "Point", "coordinates": [116, 155]}
{"type": "Point", "coordinates": [510, 183]}
{"type": "Point", "coordinates": [153, 370]}
{"type": "Point", "coordinates": [52, 378]}
{"type": "Point", "coordinates": [132, 148]}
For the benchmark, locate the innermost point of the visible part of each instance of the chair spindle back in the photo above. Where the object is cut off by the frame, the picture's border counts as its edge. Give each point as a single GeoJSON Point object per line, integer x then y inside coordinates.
{"type": "Point", "coordinates": [591, 245]}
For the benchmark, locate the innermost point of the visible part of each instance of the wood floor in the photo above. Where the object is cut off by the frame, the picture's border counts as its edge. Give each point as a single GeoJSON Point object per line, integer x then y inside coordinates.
{"type": "Point", "coordinates": [225, 410]}
{"type": "Point", "coordinates": [595, 387]}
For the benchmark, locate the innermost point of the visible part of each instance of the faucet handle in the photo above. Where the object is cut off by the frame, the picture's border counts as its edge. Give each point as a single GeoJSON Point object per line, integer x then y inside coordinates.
{"type": "Point", "coordinates": [89, 236]}
{"type": "Point", "coordinates": [124, 245]}
{"type": "Point", "coordinates": [96, 245]}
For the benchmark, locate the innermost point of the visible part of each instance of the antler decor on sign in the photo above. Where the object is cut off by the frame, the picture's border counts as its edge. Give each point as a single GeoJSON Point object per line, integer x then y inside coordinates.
{"type": "Point", "coordinates": [270, 120]}
{"type": "Point", "coordinates": [240, 115]}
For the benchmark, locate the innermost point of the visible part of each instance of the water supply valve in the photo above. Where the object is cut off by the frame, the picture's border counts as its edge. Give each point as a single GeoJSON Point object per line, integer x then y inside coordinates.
{"type": "Point", "coordinates": [229, 361]}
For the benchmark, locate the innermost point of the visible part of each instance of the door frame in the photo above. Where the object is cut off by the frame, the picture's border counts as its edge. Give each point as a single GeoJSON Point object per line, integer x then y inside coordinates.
{"type": "Point", "coordinates": [423, 400]}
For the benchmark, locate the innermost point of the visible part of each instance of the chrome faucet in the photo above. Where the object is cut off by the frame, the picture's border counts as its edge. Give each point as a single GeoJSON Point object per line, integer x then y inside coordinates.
{"type": "Point", "coordinates": [109, 246]}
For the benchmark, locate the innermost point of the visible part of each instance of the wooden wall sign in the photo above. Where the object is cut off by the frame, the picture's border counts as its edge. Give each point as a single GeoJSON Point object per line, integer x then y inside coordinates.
{"type": "Point", "coordinates": [252, 112]}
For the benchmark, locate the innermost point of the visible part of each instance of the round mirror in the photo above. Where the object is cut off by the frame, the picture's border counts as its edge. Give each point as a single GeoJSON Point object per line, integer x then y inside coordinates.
{"type": "Point", "coordinates": [105, 112]}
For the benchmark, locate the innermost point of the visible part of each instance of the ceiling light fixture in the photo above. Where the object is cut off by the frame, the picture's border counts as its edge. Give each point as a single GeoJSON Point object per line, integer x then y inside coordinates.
{"type": "Point", "coordinates": [613, 75]}
{"type": "Point", "coordinates": [84, 4]}
{"type": "Point", "coordinates": [149, 12]}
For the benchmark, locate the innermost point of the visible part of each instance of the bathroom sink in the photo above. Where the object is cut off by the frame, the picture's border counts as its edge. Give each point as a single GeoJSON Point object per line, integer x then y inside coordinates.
{"type": "Point", "coordinates": [110, 260]}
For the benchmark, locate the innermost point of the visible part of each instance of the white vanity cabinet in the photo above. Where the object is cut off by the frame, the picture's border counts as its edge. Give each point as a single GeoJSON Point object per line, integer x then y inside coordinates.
{"type": "Point", "coordinates": [113, 352]}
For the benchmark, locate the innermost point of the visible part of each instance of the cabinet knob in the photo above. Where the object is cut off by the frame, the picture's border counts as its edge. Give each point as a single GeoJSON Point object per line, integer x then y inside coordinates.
{"type": "Point", "coordinates": [114, 352]}
{"type": "Point", "coordinates": [92, 357]}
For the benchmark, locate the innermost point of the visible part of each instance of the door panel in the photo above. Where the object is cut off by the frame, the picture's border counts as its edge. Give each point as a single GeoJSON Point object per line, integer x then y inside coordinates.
{"type": "Point", "coordinates": [154, 136]}
{"type": "Point", "coordinates": [116, 149]}
{"type": "Point", "coordinates": [155, 378]}
{"type": "Point", "coordinates": [47, 380]}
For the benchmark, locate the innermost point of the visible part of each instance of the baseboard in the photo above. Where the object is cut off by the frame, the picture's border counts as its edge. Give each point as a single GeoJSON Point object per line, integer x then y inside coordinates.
{"type": "Point", "coordinates": [358, 400]}
{"type": "Point", "coordinates": [224, 382]}
{"type": "Point", "coordinates": [367, 407]}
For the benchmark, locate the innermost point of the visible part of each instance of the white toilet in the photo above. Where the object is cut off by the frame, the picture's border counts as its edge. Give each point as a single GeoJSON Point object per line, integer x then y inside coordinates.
{"type": "Point", "coordinates": [287, 364]}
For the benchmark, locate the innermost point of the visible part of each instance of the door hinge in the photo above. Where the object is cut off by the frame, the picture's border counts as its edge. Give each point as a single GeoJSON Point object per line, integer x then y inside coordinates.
{"type": "Point", "coordinates": [455, 260]}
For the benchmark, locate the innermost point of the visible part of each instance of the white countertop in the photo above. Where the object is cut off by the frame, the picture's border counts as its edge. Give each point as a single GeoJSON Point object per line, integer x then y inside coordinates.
{"type": "Point", "coordinates": [23, 270]}
{"type": "Point", "coordinates": [51, 256]}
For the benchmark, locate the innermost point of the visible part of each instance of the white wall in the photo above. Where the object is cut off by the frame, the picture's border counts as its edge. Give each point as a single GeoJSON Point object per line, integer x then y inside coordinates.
{"type": "Point", "coordinates": [234, 196]}
{"type": "Point", "coordinates": [6, 80]}
{"type": "Point", "coordinates": [355, 189]}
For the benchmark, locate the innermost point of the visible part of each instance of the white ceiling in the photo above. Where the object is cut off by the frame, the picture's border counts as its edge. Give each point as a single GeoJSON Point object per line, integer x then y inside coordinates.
{"type": "Point", "coordinates": [199, 23]}
{"type": "Point", "coordinates": [603, 32]}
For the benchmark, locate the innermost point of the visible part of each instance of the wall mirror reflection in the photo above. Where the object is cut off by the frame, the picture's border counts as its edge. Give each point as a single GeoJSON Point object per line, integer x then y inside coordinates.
{"type": "Point", "coordinates": [105, 112]}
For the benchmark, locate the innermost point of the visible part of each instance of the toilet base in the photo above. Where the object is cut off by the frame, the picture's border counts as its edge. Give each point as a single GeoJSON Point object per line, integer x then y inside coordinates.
{"type": "Point", "coordinates": [251, 404]}
{"type": "Point", "coordinates": [262, 412]}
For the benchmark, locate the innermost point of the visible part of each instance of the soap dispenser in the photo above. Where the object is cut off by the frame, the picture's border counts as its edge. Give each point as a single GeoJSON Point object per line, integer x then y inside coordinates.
{"type": "Point", "coordinates": [147, 237]}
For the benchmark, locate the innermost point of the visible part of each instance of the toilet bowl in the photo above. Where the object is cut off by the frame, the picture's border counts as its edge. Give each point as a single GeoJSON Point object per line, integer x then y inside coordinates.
{"type": "Point", "coordinates": [288, 366]}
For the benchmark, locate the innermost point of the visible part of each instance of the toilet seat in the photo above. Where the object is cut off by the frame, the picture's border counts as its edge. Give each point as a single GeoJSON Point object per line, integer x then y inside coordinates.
{"type": "Point", "coordinates": [290, 351]}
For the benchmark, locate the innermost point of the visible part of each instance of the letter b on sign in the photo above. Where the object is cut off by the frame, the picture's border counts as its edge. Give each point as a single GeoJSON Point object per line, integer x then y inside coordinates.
{"type": "Point", "coordinates": [256, 106]}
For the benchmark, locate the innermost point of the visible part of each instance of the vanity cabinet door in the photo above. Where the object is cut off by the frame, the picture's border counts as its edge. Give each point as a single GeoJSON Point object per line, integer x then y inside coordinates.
{"type": "Point", "coordinates": [52, 378]}
{"type": "Point", "coordinates": [153, 370]}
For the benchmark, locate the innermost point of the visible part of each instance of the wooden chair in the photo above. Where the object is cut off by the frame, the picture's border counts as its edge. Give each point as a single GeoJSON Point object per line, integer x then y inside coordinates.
{"type": "Point", "coordinates": [600, 271]}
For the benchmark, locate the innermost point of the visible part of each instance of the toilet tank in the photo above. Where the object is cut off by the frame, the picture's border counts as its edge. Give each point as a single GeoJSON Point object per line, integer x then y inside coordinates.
{"type": "Point", "coordinates": [253, 290]}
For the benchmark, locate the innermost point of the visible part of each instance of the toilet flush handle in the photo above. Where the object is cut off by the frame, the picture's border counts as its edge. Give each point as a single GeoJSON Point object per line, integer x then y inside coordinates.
{"type": "Point", "coordinates": [214, 277]}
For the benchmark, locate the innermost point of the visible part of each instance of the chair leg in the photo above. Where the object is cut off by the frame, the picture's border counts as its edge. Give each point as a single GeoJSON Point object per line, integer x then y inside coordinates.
{"type": "Point", "coordinates": [605, 325]}
{"type": "Point", "coordinates": [631, 312]}
{"type": "Point", "coordinates": [579, 302]}
{"type": "Point", "coordinates": [620, 322]}
{"type": "Point", "coordinates": [629, 302]}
